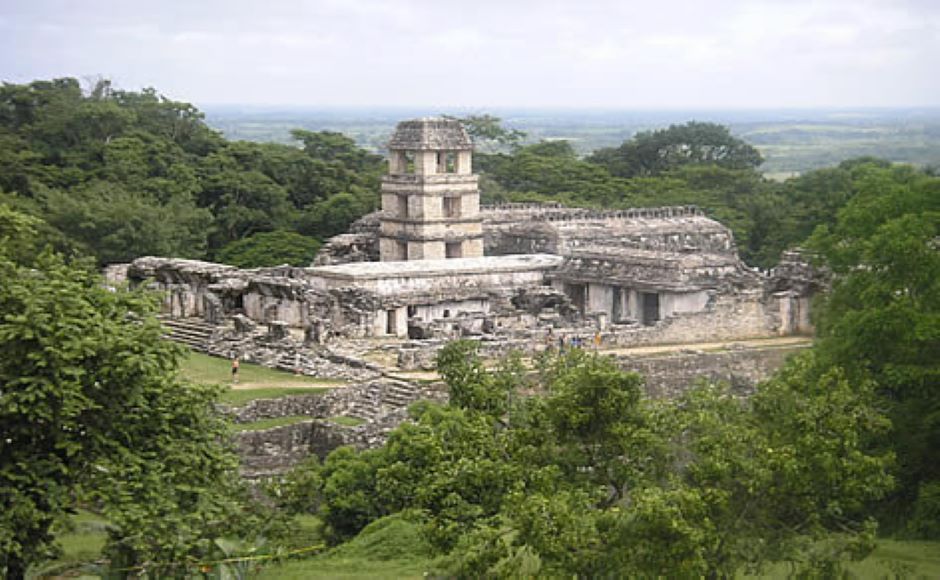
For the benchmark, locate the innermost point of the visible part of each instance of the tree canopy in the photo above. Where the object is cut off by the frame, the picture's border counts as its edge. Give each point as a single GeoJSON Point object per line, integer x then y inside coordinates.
{"type": "Point", "coordinates": [488, 133]}
{"type": "Point", "coordinates": [121, 174]}
{"type": "Point", "coordinates": [881, 319]}
{"type": "Point", "coordinates": [592, 478]}
{"type": "Point", "coordinates": [652, 153]}
{"type": "Point", "coordinates": [93, 410]}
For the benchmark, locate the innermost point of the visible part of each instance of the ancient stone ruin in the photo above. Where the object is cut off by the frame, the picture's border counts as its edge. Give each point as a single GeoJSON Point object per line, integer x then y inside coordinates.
{"type": "Point", "coordinates": [433, 265]}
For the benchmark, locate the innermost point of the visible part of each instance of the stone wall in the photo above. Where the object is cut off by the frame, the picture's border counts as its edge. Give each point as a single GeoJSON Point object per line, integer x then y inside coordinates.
{"type": "Point", "coordinates": [273, 451]}
{"type": "Point", "coordinates": [316, 405]}
{"type": "Point", "coordinates": [737, 316]}
{"type": "Point", "coordinates": [726, 317]}
{"type": "Point", "coordinates": [382, 404]}
{"type": "Point", "coordinates": [671, 374]}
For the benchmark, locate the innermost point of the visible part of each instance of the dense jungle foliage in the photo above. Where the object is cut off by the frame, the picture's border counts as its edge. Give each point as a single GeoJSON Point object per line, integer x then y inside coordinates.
{"type": "Point", "coordinates": [588, 478]}
{"type": "Point", "coordinates": [118, 174]}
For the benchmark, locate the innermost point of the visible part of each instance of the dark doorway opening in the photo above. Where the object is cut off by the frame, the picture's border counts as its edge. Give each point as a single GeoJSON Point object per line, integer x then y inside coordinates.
{"type": "Point", "coordinates": [616, 311]}
{"type": "Point", "coordinates": [578, 295]}
{"type": "Point", "coordinates": [650, 307]}
{"type": "Point", "coordinates": [391, 322]}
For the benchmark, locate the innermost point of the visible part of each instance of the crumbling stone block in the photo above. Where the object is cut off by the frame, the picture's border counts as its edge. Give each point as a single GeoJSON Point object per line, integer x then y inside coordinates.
{"type": "Point", "coordinates": [243, 324]}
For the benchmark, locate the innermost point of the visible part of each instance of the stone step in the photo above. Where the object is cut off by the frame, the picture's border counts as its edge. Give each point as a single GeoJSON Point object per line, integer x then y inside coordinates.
{"type": "Point", "coordinates": [183, 333]}
{"type": "Point", "coordinates": [193, 344]}
{"type": "Point", "coordinates": [188, 322]}
{"type": "Point", "coordinates": [397, 403]}
{"type": "Point", "coordinates": [192, 332]}
{"type": "Point", "coordinates": [293, 362]}
{"type": "Point", "coordinates": [408, 391]}
{"type": "Point", "coordinates": [362, 412]}
{"type": "Point", "coordinates": [398, 394]}
{"type": "Point", "coordinates": [188, 334]}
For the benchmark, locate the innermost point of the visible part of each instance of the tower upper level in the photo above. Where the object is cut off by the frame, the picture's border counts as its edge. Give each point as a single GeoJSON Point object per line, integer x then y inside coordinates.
{"type": "Point", "coordinates": [430, 197]}
{"type": "Point", "coordinates": [430, 146]}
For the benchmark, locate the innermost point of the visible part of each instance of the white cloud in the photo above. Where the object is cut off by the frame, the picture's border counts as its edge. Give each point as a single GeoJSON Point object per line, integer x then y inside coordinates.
{"type": "Point", "coordinates": [670, 53]}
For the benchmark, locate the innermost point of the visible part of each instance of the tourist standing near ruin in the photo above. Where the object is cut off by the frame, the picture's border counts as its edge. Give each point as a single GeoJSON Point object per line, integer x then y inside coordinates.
{"type": "Point", "coordinates": [235, 370]}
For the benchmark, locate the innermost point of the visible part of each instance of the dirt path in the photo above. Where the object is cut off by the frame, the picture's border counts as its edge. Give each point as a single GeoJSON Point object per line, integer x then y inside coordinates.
{"type": "Point", "coordinates": [770, 342]}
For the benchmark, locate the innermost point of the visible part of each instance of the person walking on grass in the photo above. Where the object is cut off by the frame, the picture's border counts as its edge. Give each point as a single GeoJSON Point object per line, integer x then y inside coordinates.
{"type": "Point", "coordinates": [235, 370]}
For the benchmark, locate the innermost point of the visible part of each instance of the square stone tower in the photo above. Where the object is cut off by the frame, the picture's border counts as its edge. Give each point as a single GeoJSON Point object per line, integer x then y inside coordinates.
{"type": "Point", "coordinates": [430, 197]}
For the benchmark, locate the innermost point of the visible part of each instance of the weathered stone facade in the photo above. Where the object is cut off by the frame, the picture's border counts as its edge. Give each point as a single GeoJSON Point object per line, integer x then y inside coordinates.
{"type": "Point", "coordinates": [413, 276]}
{"type": "Point", "coordinates": [430, 197]}
{"type": "Point", "coordinates": [637, 276]}
{"type": "Point", "coordinates": [433, 266]}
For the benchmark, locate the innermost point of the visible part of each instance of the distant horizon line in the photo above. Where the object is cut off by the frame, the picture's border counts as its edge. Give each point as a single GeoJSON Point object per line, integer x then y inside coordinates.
{"type": "Point", "coordinates": [555, 108]}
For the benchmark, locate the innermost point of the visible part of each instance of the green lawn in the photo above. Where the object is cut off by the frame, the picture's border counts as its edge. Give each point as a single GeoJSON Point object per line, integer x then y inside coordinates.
{"type": "Point", "coordinates": [81, 542]}
{"type": "Point", "coordinates": [891, 559]}
{"type": "Point", "coordinates": [254, 381]}
{"type": "Point", "coordinates": [202, 368]}
{"type": "Point", "coordinates": [388, 548]}
{"type": "Point", "coordinates": [269, 423]}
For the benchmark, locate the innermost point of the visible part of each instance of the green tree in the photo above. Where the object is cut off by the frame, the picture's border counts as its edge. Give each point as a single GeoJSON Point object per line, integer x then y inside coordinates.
{"type": "Point", "coordinates": [710, 484]}
{"type": "Point", "coordinates": [655, 152]}
{"type": "Point", "coordinates": [116, 225]}
{"type": "Point", "coordinates": [92, 408]}
{"type": "Point", "coordinates": [270, 249]}
{"type": "Point", "coordinates": [881, 318]}
{"type": "Point", "coordinates": [350, 498]}
{"type": "Point", "coordinates": [244, 203]}
{"type": "Point", "coordinates": [488, 133]}
{"type": "Point", "coordinates": [470, 386]}
{"type": "Point", "coordinates": [552, 172]}
{"type": "Point", "coordinates": [18, 235]}
{"type": "Point", "coordinates": [596, 419]}
{"type": "Point", "coordinates": [333, 215]}
{"type": "Point", "coordinates": [782, 477]}
{"type": "Point", "coordinates": [332, 146]}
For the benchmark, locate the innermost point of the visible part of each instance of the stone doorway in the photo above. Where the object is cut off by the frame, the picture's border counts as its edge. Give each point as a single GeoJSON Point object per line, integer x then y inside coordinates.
{"type": "Point", "coordinates": [649, 302]}
{"type": "Point", "coordinates": [391, 323]}
{"type": "Point", "coordinates": [616, 310]}
{"type": "Point", "coordinates": [578, 295]}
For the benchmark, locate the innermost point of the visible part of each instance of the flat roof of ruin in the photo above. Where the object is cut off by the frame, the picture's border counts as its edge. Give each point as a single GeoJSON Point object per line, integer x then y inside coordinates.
{"type": "Point", "coordinates": [432, 268]}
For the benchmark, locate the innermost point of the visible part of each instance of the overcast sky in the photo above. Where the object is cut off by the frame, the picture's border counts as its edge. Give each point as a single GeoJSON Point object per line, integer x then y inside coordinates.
{"type": "Point", "coordinates": [489, 53]}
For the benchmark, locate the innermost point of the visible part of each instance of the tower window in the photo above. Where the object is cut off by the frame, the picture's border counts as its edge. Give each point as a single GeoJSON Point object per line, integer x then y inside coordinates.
{"type": "Point", "coordinates": [447, 162]}
{"type": "Point", "coordinates": [402, 206]}
{"type": "Point", "coordinates": [453, 250]}
{"type": "Point", "coordinates": [409, 162]}
{"type": "Point", "coordinates": [451, 207]}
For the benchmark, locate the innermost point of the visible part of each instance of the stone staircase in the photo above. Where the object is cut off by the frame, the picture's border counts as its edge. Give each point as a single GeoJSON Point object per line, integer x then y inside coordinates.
{"type": "Point", "coordinates": [399, 394]}
{"type": "Point", "coordinates": [378, 398]}
{"type": "Point", "coordinates": [294, 362]}
{"type": "Point", "coordinates": [192, 332]}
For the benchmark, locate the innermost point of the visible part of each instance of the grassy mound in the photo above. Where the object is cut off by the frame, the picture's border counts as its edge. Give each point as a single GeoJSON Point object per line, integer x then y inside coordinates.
{"type": "Point", "coordinates": [391, 547]}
